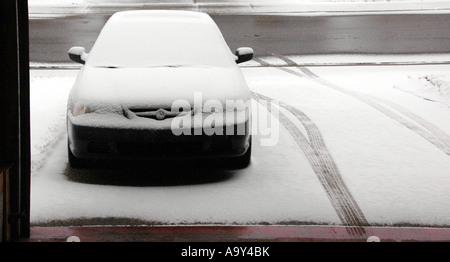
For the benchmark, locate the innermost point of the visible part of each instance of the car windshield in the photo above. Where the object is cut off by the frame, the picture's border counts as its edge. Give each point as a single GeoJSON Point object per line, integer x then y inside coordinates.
{"type": "Point", "coordinates": [160, 42]}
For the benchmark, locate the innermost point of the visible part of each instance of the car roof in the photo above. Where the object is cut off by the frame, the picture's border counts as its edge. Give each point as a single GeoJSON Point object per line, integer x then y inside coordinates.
{"type": "Point", "coordinates": [147, 38]}
{"type": "Point", "coordinates": [159, 16]}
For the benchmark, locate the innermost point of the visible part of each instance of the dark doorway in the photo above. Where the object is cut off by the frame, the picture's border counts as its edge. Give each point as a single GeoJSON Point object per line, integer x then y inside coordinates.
{"type": "Point", "coordinates": [15, 117]}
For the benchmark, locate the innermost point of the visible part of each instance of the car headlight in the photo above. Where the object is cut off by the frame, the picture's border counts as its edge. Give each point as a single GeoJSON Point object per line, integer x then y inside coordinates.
{"type": "Point", "coordinates": [82, 108]}
{"type": "Point", "coordinates": [79, 110]}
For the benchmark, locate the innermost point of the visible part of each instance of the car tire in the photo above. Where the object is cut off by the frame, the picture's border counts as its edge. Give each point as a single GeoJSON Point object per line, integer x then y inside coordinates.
{"type": "Point", "coordinates": [244, 160]}
{"type": "Point", "coordinates": [74, 161]}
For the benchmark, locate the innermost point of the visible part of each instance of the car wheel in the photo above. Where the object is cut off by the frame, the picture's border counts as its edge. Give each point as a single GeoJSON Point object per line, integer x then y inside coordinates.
{"type": "Point", "coordinates": [74, 161]}
{"type": "Point", "coordinates": [244, 160]}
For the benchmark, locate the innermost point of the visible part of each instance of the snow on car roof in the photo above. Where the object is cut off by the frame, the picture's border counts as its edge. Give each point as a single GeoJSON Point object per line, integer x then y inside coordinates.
{"type": "Point", "coordinates": [160, 38]}
{"type": "Point", "coordinates": [158, 15]}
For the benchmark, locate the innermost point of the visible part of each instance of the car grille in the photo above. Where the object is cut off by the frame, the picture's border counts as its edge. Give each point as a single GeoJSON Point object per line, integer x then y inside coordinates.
{"type": "Point", "coordinates": [158, 113]}
{"type": "Point", "coordinates": [140, 110]}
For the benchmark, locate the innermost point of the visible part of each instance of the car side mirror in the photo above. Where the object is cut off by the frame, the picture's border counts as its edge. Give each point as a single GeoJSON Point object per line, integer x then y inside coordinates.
{"type": "Point", "coordinates": [244, 54]}
{"type": "Point", "coordinates": [78, 54]}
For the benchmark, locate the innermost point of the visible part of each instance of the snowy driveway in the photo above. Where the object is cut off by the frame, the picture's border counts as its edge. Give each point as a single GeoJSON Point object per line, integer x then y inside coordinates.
{"type": "Point", "coordinates": [356, 147]}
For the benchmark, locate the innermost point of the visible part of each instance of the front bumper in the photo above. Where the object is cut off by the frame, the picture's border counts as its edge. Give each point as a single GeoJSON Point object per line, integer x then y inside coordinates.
{"type": "Point", "coordinates": [122, 142]}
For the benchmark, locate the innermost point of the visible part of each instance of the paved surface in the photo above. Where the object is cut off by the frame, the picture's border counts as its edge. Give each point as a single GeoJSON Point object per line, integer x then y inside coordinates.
{"type": "Point", "coordinates": [38, 8]}
{"type": "Point", "coordinates": [50, 39]}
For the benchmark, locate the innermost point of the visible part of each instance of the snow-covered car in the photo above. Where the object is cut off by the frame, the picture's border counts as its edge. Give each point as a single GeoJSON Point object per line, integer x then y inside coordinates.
{"type": "Point", "coordinates": [159, 84]}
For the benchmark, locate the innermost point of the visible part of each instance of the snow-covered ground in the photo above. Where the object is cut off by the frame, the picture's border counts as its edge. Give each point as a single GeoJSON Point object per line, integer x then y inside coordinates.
{"type": "Point", "coordinates": [259, 194]}
{"type": "Point", "coordinates": [434, 87]}
{"type": "Point", "coordinates": [49, 91]}
{"type": "Point", "coordinates": [395, 175]}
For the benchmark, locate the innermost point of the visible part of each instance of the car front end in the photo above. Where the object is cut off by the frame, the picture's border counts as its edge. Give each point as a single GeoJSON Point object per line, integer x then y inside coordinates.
{"type": "Point", "coordinates": [153, 114]}
{"type": "Point", "coordinates": [130, 136]}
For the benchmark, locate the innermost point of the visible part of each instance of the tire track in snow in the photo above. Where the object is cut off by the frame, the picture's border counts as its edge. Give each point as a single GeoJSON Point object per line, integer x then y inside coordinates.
{"type": "Point", "coordinates": [265, 64]}
{"type": "Point", "coordinates": [261, 62]}
{"type": "Point", "coordinates": [435, 136]}
{"type": "Point", "coordinates": [440, 134]}
{"type": "Point", "coordinates": [323, 165]}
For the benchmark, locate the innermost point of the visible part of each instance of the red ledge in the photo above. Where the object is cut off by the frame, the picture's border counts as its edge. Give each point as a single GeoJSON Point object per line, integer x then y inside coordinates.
{"type": "Point", "coordinates": [237, 234]}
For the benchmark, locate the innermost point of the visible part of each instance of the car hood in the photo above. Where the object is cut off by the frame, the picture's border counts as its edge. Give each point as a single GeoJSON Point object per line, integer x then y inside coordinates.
{"type": "Point", "coordinates": [157, 87]}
